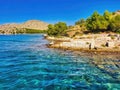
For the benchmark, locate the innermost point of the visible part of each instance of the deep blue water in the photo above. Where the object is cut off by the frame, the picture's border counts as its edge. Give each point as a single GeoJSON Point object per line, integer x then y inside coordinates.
{"type": "Point", "coordinates": [27, 64]}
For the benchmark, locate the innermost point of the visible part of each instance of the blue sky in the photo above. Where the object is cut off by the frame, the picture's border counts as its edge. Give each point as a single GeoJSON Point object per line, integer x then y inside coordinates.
{"type": "Point", "coordinates": [52, 11]}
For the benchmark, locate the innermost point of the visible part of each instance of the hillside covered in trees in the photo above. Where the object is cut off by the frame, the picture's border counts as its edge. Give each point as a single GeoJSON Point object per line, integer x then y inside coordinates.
{"type": "Point", "coordinates": [96, 23]}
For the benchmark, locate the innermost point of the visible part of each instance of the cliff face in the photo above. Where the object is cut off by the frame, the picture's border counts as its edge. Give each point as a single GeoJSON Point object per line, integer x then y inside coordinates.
{"type": "Point", "coordinates": [13, 28]}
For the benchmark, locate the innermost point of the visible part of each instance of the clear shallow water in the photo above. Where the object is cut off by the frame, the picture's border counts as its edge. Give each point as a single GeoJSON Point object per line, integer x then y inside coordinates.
{"type": "Point", "coordinates": [26, 64]}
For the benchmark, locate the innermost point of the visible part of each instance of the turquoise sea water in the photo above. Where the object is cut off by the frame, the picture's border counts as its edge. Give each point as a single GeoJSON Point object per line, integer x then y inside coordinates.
{"type": "Point", "coordinates": [27, 64]}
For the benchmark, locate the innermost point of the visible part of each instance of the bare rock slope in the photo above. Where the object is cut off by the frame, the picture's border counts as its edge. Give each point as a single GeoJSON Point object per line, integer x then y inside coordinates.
{"type": "Point", "coordinates": [35, 24]}
{"type": "Point", "coordinates": [13, 28]}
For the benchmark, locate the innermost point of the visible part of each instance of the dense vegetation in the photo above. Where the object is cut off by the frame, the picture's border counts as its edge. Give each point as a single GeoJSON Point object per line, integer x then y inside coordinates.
{"type": "Point", "coordinates": [30, 31]}
{"type": "Point", "coordinates": [115, 24]}
{"type": "Point", "coordinates": [99, 23]}
{"type": "Point", "coordinates": [57, 29]}
{"type": "Point", "coordinates": [108, 22]}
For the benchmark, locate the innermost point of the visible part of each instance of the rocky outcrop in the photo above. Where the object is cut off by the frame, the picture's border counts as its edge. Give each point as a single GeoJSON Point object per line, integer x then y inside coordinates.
{"type": "Point", "coordinates": [93, 42]}
{"type": "Point", "coordinates": [13, 28]}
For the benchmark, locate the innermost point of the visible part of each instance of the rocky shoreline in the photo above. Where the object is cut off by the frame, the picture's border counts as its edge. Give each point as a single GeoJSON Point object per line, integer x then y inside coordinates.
{"type": "Point", "coordinates": [105, 46]}
{"type": "Point", "coordinates": [90, 52]}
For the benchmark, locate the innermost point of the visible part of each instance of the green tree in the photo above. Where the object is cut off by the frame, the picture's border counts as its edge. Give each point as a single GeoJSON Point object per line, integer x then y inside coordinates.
{"type": "Point", "coordinates": [107, 15]}
{"type": "Point", "coordinates": [97, 22]}
{"type": "Point", "coordinates": [115, 24]}
{"type": "Point", "coordinates": [51, 30]}
{"type": "Point", "coordinates": [93, 21]}
{"type": "Point", "coordinates": [103, 23]}
{"type": "Point", "coordinates": [57, 29]}
{"type": "Point", "coordinates": [80, 22]}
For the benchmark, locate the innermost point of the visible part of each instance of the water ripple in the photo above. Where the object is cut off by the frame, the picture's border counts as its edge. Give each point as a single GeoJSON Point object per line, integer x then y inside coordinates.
{"type": "Point", "coordinates": [27, 64]}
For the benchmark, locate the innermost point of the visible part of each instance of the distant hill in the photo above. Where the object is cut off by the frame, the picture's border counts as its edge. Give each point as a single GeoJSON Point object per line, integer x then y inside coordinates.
{"type": "Point", "coordinates": [35, 24]}
{"type": "Point", "coordinates": [14, 28]}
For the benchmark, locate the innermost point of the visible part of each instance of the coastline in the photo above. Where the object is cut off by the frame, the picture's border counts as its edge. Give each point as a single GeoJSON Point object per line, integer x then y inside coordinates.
{"type": "Point", "coordinates": [68, 44]}
{"type": "Point", "coordinates": [88, 51]}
